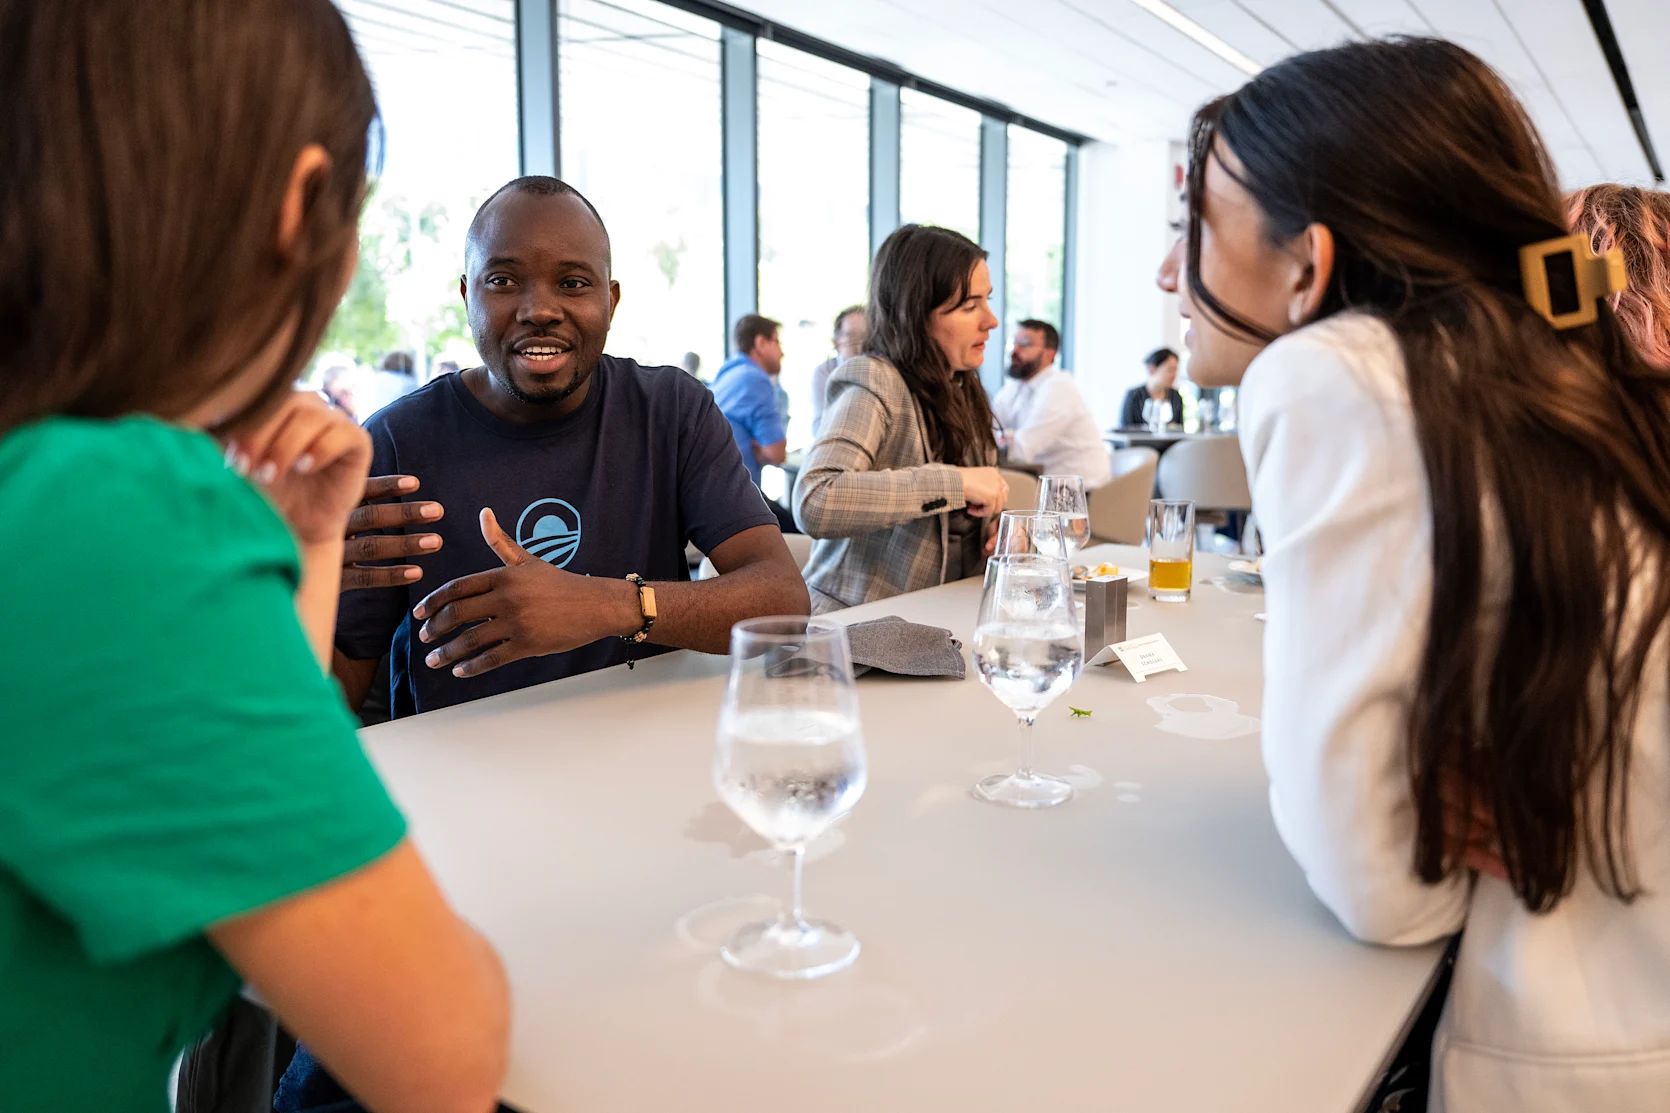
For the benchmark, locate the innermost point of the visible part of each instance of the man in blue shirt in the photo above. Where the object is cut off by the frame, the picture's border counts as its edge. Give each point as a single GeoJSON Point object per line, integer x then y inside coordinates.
{"type": "Point", "coordinates": [747, 392]}
{"type": "Point", "coordinates": [584, 468]}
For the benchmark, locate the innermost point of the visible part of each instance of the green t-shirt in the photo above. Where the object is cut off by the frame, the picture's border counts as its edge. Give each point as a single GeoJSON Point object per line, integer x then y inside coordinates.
{"type": "Point", "coordinates": [171, 754]}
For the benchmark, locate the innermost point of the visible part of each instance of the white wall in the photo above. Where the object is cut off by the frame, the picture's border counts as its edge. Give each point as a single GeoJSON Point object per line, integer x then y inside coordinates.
{"type": "Point", "coordinates": [1127, 197]}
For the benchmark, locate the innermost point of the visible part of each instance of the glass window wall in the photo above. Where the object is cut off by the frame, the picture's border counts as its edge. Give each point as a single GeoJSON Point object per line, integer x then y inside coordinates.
{"type": "Point", "coordinates": [640, 137]}
{"type": "Point", "coordinates": [1037, 229]}
{"type": "Point", "coordinates": [443, 155]}
{"type": "Point", "coordinates": [814, 166]}
{"type": "Point", "coordinates": [939, 163]}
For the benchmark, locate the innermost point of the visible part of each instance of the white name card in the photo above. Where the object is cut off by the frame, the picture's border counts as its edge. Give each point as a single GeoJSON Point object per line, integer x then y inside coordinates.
{"type": "Point", "coordinates": [1148, 655]}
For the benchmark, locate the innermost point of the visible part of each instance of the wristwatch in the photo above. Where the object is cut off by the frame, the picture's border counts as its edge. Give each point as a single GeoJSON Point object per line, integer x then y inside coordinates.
{"type": "Point", "coordinates": [646, 605]}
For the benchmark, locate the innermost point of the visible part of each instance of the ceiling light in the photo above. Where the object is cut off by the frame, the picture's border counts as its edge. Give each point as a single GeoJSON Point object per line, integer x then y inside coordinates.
{"type": "Point", "coordinates": [1180, 22]}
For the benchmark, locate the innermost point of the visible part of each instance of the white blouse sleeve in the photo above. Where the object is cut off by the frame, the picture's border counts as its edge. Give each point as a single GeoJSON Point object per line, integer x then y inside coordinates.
{"type": "Point", "coordinates": [1341, 498]}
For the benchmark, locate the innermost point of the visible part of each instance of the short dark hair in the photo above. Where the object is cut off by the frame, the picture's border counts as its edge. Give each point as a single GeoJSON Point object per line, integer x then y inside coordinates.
{"type": "Point", "coordinates": [1158, 356]}
{"type": "Point", "coordinates": [844, 314]}
{"type": "Point", "coordinates": [750, 327]}
{"type": "Point", "coordinates": [540, 185]}
{"type": "Point", "coordinates": [1052, 339]}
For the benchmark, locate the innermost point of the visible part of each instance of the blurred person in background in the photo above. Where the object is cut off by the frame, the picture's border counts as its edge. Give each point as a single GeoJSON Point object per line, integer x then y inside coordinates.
{"type": "Point", "coordinates": [1466, 517]}
{"type": "Point", "coordinates": [1042, 417]}
{"type": "Point", "coordinates": [753, 401]}
{"type": "Point", "coordinates": [1637, 222]}
{"type": "Point", "coordinates": [691, 363]}
{"type": "Point", "coordinates": [1159, 390]}
{"type": "Point", "coordinates": [338, 388]}
{"type": "Point", "coordinates": [186, 807]}
{"type": "Point", "coordinates": [848, 341]}
{"type": "Point", "coordinates": [901, 488]}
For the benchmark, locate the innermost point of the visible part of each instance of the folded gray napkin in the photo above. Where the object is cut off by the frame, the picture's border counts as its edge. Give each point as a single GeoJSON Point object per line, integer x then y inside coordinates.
{"type": "Point", "coordinates": [904, 648]}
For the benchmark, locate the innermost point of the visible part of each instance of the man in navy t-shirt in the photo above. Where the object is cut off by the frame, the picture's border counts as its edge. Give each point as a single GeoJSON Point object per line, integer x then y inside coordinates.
{"type": "Point", "coordinates": [561, 471]}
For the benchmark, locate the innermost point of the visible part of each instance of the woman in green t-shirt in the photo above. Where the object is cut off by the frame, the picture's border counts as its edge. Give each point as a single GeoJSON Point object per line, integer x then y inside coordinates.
{"type": "Point", "coordinates": [183, 803]}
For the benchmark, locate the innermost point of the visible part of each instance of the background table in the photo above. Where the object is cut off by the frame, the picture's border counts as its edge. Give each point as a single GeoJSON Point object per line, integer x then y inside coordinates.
{"type": "Point", "coordinates": [1149, 946]}
{"type": "Point", "coordinates": [1159, 442]}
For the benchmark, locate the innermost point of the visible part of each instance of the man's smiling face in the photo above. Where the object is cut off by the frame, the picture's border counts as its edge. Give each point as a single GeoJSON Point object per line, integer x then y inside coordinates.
{"type": "Point", "coordinates": [539, 294]}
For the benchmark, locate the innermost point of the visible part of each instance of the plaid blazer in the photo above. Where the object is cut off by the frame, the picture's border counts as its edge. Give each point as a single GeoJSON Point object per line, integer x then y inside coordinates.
{"type": "Point", "coordinates": [868, 494]}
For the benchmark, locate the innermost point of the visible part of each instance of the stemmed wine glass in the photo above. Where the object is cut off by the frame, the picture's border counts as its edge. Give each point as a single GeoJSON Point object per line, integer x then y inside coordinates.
{"type": "Point", "coordinates": [1064, 495]}
{"type": "Point", "coordinates": [1020, 532]}
{"type": "Point", "coordinates": [1027, 649]}
{"type": "Point", "coordinates": [790, 762]}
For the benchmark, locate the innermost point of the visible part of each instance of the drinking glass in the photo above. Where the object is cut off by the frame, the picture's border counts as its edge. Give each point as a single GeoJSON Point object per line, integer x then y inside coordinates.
{"type": "Point", "coordinates": [1027, 650]}
{"type": "Point", "coordinates": [1150, 413]}
{"type": "Point", "coordinates": [1171, 550]}
{"type": "Point", "coordinates": [790, 762]}
{"type": "Point", "coordinates": [1023, 532]}
{"type": "Point", "coordinates": [1064, 495]}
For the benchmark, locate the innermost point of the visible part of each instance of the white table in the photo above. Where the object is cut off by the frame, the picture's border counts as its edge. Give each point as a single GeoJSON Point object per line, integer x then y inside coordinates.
{"type": "Point", "coordinates": [1149, 946]}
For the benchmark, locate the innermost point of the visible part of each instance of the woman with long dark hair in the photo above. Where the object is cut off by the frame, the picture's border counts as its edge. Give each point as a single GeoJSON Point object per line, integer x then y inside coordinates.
{"type": "Point", "coordinates": [901, 484]}
{"type": "Point", "coordinates": [184, 806]}
{"type": "Point", "coordinates": [1466, 512]}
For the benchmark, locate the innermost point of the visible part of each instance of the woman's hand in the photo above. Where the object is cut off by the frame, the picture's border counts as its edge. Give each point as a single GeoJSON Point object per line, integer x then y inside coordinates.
{"type": "Point", "coordinates": [312, 462]}
{"type": "Point", "coordinates": [984, 491]}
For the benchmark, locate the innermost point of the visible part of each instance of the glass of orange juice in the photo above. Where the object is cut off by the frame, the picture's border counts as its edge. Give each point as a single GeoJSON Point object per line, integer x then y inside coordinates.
{"type": "Point", "coordinates": [1171, 550]}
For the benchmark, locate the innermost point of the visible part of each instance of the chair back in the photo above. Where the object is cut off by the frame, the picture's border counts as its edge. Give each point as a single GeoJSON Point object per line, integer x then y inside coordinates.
{"type": "Point", "coordinates": [1207, 471]}
{"type": "Point", "coordinates": [1023, 489]}
{"type": "Point", "coordinates": [1119, 508]}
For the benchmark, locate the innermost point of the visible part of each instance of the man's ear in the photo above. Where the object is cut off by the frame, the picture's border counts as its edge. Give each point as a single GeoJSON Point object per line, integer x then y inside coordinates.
{"type": "Point", "coordinates": [464, 290]}
{"type": "Point", "coordinates": [1313, 272]}
{"type": "Point", "coordinates": [614, 299]}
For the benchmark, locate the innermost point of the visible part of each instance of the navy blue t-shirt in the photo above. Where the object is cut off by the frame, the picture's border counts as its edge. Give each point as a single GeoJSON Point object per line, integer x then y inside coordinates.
{"type": "Point", "coordinates": [646, 464]}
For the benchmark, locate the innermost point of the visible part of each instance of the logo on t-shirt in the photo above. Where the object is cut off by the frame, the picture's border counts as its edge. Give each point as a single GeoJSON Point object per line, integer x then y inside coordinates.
{"type": "Point", "coordinates": [550, 530]}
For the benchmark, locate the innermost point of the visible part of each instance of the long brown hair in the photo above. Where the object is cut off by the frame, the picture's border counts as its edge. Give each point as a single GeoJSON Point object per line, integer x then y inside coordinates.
{"type": "Point", "coordinates": [1636, 222]}
{"type": "Point", "coordinates": [1431, 178]}
{"type": "Point", "coordinates": [919, 269]}
{"type": "Point", "coordinates": [147, 148]}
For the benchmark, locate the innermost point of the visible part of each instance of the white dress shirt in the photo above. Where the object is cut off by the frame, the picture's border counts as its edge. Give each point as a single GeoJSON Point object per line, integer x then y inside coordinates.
{"type": "Point", "coordinates": [1050, 426]}
{"type": "Point", "coordinates": [1569, 1010]}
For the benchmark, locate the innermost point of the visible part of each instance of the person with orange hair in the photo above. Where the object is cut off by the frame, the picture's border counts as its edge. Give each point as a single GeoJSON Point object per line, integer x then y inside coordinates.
{"type": "Point", "coordinates": [1636, 221]}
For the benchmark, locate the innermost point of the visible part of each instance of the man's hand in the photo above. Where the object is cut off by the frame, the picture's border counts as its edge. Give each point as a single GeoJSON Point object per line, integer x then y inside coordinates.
{"type": "Point", "coordinates": [373, 514]}
{"type": "Point", "coordinates": [525, 609]}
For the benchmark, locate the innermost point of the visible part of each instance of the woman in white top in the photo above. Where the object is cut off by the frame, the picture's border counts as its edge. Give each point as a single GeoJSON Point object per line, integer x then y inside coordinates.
{"type": "Point", "coordinates": [1467, 518]}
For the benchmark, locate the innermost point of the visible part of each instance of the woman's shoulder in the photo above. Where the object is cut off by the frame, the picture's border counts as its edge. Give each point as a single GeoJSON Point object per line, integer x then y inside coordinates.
{"type": "Point", "coordinates": [1347, 358]}
{"type": "Point", "coordinates": [875, 374]}
{"type": "Point", "coordinates": [127, 486]}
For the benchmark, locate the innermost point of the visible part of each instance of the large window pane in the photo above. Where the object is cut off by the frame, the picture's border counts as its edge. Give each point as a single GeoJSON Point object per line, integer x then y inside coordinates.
{"type": "Point", "coordinates": [444, 154]}
{"type": "Point", "coordinates": [939, 163]}
{"type": "Point", "coordinates": [814, 167]}
{"type": "Point", "coordinates": [640, 137]}
{"type": "Point", "coordinates": [1037, 228]}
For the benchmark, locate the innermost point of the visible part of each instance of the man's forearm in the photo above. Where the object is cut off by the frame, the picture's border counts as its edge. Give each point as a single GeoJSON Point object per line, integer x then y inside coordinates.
{"type": "Point", "coordinates": [700, 615]}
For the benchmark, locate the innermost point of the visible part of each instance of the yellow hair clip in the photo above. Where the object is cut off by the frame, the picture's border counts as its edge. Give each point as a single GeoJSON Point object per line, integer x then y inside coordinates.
{"type": "Point", "coordinates": [1564, 278]}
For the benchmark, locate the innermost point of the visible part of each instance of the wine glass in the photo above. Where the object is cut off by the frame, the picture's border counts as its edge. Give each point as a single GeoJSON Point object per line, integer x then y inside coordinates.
{"type": "Point", "coordinates": [1027, 649]}
{"type": "Point", "coordinates": [1064, 495]}
{"type": "Point", "coordinates": [790, 763]}
{"type": "Point", "coordinates": [1020, 532]}
{"type": "Point", "coordinates": [1150, 413]}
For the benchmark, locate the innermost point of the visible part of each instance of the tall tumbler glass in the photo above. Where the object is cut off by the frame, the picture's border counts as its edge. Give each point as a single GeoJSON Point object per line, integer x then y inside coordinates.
{"type": "Point", "coordinates": [790, 762]}
{"type": "Point", "coordinates": [1171, 550]}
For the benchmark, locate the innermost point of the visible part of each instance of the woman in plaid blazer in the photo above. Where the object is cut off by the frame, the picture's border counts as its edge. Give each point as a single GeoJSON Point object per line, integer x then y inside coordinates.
{"type": "Point", "coordinates": [901, 489]}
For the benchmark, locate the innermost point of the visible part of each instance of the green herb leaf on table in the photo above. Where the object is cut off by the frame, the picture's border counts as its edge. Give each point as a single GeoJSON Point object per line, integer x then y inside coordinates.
{"type": "Point", "coordinates": [1078, 712]}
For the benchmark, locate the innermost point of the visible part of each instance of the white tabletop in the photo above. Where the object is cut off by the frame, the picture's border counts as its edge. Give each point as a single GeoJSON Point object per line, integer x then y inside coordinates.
{"type": "Point", "coordinates": [1148, 946]}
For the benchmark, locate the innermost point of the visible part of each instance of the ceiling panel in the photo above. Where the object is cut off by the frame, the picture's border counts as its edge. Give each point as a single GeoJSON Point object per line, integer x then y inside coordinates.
{"type": "Point", "coordinates": [1115, 72]}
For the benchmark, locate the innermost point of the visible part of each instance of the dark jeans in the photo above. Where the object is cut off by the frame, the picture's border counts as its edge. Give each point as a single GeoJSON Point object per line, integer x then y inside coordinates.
{"type": "Point", "coordinates": [306, 1088]}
